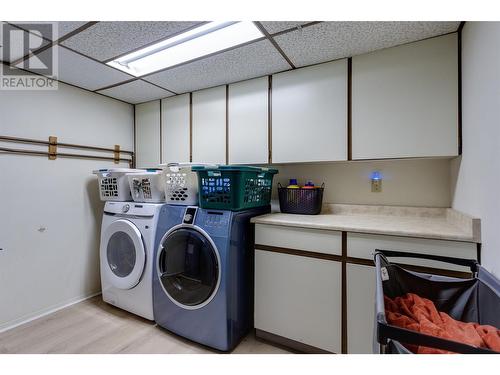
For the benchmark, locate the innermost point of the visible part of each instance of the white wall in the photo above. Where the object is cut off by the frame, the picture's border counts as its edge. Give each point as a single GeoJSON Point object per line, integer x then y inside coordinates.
{"type": "Point", "coordinates": [417, 182]}
{"type": "Point", "coordinates": [476, 177]}
{"type": "Point", "coordinates": [44, 269]}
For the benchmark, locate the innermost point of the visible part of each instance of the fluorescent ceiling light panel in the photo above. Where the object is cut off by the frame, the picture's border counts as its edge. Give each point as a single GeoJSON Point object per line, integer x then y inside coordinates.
{"type": "Point", "coordinates": [201, 41]}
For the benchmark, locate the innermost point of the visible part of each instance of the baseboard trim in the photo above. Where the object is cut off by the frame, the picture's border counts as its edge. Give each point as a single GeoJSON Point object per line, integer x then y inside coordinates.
{"type": "Point", "coordinates": [44, 312]}
{"type": "Point", "coordinates": [296, 346]}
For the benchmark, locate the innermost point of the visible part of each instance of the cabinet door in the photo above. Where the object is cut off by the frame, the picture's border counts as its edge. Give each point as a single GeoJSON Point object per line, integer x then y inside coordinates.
{"type": "Point", "coordinates": [299, 298]}
{"type": "Point", "coordinates": [309, 114]}
{"type": "Point", "coordinates": [209, 125]}
{"type": "Point", "coordinates": [405, 100]}
{"type": "Point", "coordinates": [147, 134]}
{"type": "Point", "coordinates": [360, 308]}
{"type": "Point", "coordinates": [175, 129]}
{"type": "Point", "coordinates": [248, 122]}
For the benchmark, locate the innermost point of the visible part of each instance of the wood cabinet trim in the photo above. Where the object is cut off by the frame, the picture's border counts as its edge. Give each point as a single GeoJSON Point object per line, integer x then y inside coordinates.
{"type": "Point", "coordinates": [227, 124]}
{"type": "Point", "coordinates": [269, 118]}
{"type": "Point", "coordinates": [301, 253]}
{"type": "Point", "coordinates": [353, 260]}
{"type": "Point", "coordinates": [161, 132]}
{"type": "Point", "coordinates": [295, 346]}
{"type": "Point", "coordinates": [190, 127]}
{"type": "Point", "coordinates": [349, 108]}
{"type": "Point", "coordinates": [135, 138]}
{"type": "Point", "coordinates": [459, 49]}
{"type": "Point", "coordinates": [344, 295]}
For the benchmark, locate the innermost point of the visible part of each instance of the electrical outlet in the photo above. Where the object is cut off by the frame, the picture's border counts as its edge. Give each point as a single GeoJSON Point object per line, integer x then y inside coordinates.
{"type": "Point", "coordinates": [376, 185]}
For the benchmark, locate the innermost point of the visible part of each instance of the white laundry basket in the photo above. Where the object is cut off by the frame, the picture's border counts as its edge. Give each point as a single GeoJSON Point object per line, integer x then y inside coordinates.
{"type": "Point", "coordinates": [113, 184]}
{"type": "Point", "coordinates": [181, 184]}
{"type": "Point", "coordinates": [147, 186]}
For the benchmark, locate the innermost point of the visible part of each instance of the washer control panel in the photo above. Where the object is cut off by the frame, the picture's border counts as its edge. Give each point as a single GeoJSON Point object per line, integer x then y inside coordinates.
{"type": "Point", "coordinates": [131, 209]}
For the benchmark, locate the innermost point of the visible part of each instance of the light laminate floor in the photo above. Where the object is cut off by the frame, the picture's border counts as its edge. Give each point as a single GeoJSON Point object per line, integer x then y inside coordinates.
{"type": "Point", "coordinates": [94, 327]}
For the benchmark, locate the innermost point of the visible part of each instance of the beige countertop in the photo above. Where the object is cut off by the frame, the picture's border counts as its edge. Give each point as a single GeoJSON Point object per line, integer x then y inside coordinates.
{"type": "Point", "coordinates": [435, 223]}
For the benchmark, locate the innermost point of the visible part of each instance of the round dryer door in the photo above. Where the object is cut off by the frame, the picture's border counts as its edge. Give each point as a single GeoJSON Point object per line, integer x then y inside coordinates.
{"type": "Point", "coordinates": [124, 253]}
{"type": "Point", "coordinates": [189, 267]}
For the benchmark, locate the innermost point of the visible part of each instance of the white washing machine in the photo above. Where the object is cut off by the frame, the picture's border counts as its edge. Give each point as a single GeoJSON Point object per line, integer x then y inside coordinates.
{"type": "Point", "coordinates": [127, 246]}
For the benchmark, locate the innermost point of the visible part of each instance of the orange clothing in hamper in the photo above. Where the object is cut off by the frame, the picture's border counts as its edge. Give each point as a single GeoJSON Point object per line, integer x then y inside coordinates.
{"type": "Point", "coordinates": [419, 314]}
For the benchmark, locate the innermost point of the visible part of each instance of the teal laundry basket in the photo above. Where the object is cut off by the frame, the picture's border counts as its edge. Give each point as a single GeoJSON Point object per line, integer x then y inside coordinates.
{"type": "Point", "coordinates": [234, 188]}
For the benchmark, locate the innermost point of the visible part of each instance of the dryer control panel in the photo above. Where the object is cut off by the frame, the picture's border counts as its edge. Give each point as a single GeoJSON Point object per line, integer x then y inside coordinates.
{"type": "Point", "coordinates": [215, 222]}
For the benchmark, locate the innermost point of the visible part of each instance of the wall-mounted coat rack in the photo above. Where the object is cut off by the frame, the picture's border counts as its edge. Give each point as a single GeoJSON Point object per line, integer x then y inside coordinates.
{"type": "Point", "coordinates": [53, 146]}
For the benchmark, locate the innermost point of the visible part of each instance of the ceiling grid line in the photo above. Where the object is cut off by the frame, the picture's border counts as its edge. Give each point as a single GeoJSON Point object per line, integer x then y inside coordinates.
{"type": "Point", "coordinates": [295, 28]}
{"type": "Point", "coordinates": [51, 43]}
{"type": "Point", "coordinates": [117, 84]}
{"type": "Point", "coordinates": [161, 87]}
{"type": "Point", "coordinates": [273, 42]}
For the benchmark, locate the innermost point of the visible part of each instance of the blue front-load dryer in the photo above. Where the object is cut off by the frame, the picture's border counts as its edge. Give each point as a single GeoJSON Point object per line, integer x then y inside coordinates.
{"type": "Point", "coordinates": [203, 274]}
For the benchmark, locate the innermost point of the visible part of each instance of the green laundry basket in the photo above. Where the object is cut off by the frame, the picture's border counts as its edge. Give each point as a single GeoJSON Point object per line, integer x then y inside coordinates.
{"type": "Point", "coordinates": [234, 188]}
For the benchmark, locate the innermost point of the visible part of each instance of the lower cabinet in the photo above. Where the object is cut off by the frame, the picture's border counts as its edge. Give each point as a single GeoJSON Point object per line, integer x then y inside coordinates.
{"type": "Point", "coordinates": [298, 283]}
{"type": "Point", "coordinates": [360, 308]}
{"type": "Point", "coordinates": [299, 298]}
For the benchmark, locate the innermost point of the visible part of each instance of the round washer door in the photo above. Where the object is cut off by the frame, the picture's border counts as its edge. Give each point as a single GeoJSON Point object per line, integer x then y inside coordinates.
{"type": "Point", "coordinates": [124, 253]}
{"type": "Point", "coordinates": [188, 267]}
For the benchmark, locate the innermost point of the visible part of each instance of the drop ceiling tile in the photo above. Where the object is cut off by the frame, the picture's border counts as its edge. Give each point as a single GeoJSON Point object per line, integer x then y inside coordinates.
{"type": "Point", "coordinates": [277, 26]}
{"type": "Point", "coordinates": [84, 72]}
{"type": "Point", "coordinates": [63, 27]}
{"type": "Point", "coordinates": [16, 48]}
{"type": "Point", "coordinates": [250, 61]}
{"type": "Point", "coordinates": [136, 92]}
{"type": "Point", "coordinates": [106, 40]}
{"type": "Point", "coordinates": [332, 40]}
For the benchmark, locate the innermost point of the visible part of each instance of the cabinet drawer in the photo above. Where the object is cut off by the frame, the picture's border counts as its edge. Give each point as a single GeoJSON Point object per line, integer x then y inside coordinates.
{"type": "Point", "coordinates": [316, 240]}
{"type": "Point", "coordinates": [299, 298]}
{"type": "Point", "coordinates": [363, 246]}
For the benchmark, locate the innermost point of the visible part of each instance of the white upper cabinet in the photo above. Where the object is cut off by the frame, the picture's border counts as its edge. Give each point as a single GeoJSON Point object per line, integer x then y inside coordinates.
{"type": "Point", "coordinates": [248, 122]}
{"type": "Point", "coordinates": [175, 129]}
{"type": "Point", "coordinates": [309, 114]}
{"type": "Point", "coordinates": [147, 134]}
{"type": "Point", "coordinates": [405, 100]}
{"type": "Point", "coordinates": [209, 125]}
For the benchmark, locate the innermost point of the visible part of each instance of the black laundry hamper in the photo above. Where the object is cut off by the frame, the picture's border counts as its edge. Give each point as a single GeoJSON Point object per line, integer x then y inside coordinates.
{"type": "Point", "coordinates": [469, 300]}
